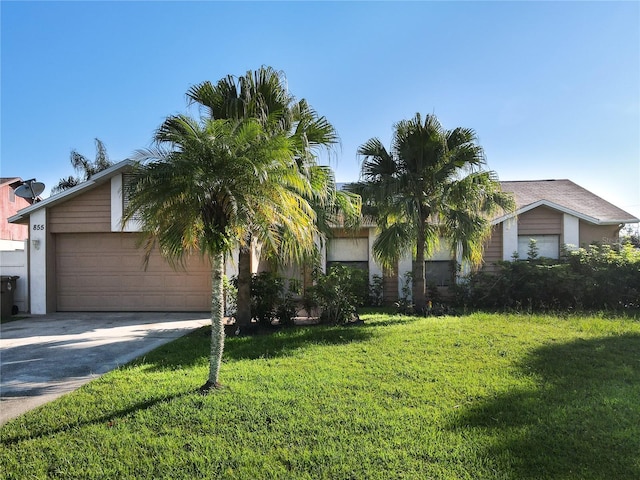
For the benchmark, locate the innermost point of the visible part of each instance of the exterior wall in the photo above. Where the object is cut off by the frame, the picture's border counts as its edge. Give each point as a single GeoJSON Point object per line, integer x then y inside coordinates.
{"type": "Point", "coordinates": [117, 207]}
{"type": "Point", "coordinates": [404, 265]}
{"type": "Point", "coordinates": [374, 268]}
{"type": "Point", "coordinates": [509, 238]}
{"type": "Point", "coordinates": [546, 226]}
{"type": "Point", "coordinates": [9, 206]}
{"type": "Point", "coordinates": [540, 221]}
{"type": "Point", "coordinates": [571, 230]}
{"type": "Point", "coordinates": [598, 233]}
{"type": "Point", "coordinates": [14, 263]}
{"type": "Point", "coordinates": [38, 262]}
{"type": "Point", "coordinates": [86, 213]}
{"type": "Point", "coordinates": [493, 248]}
{"type": "Point", "coordinates": [390, 285]}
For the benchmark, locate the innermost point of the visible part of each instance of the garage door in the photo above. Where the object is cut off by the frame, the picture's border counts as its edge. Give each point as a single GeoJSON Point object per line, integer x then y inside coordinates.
{"type": "Point", "coordinates": [104, 272]}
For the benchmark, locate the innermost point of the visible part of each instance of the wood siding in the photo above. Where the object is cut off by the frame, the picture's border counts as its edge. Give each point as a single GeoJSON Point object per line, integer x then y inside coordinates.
{"type": "Point", "coordinates": [390, 292]}
{"type": "Point", "coordinates": [540, 221]}
{"type": "Point", "coordinates": [343, 233]}
{"type": "Point", "coordinates": [590, 233]}
{"type": "Point", "coordinates": [86, 213]}
{"type": "Point", "coordinates": [493, 249]}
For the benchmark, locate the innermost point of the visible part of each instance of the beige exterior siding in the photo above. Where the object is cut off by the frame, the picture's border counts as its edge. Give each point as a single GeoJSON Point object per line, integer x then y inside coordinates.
{"type": "Point", "coordinates": [343, 233]}
{"type": "Point", "coordinates": [590, 233]}
{"type": "Point", "coordinates": [104, 272]}
{"type": "Point", "coordinates": [89, 212]}
{"type": "Point", "coordinates": [390, 291]}
{"type": "Point", "coordinates": [540, 221]}
{"type": "Point", "coordinates": [493, 249]}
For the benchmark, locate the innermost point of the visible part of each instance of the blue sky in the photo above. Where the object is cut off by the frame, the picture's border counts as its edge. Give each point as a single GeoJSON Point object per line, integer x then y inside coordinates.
{"type": "Point", "coordinates": [552, 89]}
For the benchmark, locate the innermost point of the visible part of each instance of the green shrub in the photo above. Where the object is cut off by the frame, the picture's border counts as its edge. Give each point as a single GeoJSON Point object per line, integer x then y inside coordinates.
{"type": "Point", "coordinates": [376, 291]}
{"type": "Point", "coordinates": [339, 293]}
{"type": "Point", "coordinates": [230, 293]}
{"type": "Point", "coordinates": [404, 305]}
{"type": "Point", "coordinates": [596, 277]}
{"type": "Point", "coordinates": [265, 291]}
{"type": "Point", "coordinates": [273, 298]}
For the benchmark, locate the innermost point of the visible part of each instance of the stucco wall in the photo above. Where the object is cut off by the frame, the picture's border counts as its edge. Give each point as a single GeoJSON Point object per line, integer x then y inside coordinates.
{"type": "Point", "coordinates": [9, 206]}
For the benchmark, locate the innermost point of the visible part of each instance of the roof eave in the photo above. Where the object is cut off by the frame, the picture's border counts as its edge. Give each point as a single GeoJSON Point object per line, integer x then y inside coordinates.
{"type": "Point", "coordinates": [23, 215]}
{"type": "Point", "coordinates": [555, 206]}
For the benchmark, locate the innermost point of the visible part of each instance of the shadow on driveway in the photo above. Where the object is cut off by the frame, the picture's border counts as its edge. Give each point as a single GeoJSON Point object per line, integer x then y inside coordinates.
{"type": "Point", "coordinates": [44, 357]}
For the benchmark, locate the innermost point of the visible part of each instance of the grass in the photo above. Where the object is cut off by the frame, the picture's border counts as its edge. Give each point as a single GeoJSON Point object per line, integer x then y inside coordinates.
{"type": "Point", "coordinates": [478, 396]}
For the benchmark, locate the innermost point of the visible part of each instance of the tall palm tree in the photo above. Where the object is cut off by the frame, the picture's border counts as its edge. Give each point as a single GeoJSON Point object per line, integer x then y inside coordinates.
{"type": "Point", "coordinates": [430, 185]}
{"type": "Point", "coordinates": [84, 167]}
{"type": "Point", "coordinates": [206, 184]}
{"type": "Point", "coordinates": [263, 95]}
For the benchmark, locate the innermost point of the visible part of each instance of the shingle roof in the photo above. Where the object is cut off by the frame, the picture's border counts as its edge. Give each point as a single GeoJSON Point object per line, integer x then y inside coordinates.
{"type": "Point", "coordinates": [569, 196]}
{"type": "Point", "coordinates": [4, 180]}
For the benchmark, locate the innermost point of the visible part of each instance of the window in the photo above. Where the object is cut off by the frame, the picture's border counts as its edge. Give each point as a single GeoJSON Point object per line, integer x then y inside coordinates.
{"type": "Point", "coordinates": [548, 246]}
{"type": "Point", "coordinates": [439, 272]}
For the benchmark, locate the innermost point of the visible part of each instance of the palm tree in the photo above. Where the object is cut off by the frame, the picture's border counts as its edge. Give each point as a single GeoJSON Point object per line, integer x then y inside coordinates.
{"type": "Point", "coordinates": [263, 95]}
{"type": "Point", "coordinates": [209, 182]}
{"type": "Point", "coordinates": [84, 167]}
{"type": "Point", "coordinates": [431, 185]}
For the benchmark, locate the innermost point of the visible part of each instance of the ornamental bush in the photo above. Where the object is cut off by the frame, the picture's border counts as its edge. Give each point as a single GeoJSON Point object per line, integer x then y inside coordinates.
{"type": "Point", "coordinates": [339, 293]}
{"type": "Point", "coordinates": [593, 278]}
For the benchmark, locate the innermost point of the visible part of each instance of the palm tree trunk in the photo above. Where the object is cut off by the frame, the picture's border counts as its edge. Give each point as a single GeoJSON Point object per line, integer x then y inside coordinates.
{"type": "Point", "coordinates": [243, 313]}
{"type": "Point", "coordinates": [419, 298]}
{"type": "Point", "coordinates": [217, 322]}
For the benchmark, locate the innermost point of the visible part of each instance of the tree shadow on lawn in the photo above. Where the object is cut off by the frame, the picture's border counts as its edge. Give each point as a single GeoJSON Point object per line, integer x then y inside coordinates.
{"type": "Point", "coordinates": [35, 430]}
{"type": "Point", "coordinates": [582, 422]}
{"type": "Point", "coordinates": [284, 342]}
{"type": "Point", "coordinates": [193, 349]}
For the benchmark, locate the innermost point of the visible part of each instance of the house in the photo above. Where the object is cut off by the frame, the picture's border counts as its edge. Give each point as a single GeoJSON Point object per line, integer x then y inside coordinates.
{"type": "Point", "coordinates": [82, 259]}
{"type": "Point", "coordinates": [12, 236]}
{"type": "Point", "coordinates": [553, 213]}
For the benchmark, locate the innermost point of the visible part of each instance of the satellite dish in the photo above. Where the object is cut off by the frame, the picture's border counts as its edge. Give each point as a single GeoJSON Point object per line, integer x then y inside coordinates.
{"type": "Point", "coordinates": [30, 189]}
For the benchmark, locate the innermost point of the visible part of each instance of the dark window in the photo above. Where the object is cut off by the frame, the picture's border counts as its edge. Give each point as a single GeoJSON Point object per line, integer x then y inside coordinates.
{"type": "Point", "coordinates": [439, 272]}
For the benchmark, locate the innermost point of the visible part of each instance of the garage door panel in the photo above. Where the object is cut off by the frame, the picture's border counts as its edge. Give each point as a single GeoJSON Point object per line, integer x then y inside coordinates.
{"type": "Point", "coordinates": [105, 272]}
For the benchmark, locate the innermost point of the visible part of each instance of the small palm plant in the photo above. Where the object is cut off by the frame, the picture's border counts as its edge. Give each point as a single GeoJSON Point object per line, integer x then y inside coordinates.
{"type": "Point", "coordinates": [207, 184]}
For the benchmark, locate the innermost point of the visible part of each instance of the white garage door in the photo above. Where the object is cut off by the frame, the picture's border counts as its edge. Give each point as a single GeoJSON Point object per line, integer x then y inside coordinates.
{"type": "Point", "coordinates": [104, 272]}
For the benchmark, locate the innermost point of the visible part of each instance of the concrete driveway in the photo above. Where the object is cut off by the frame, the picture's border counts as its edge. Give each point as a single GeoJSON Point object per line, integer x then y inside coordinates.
{"type": "Point", "coordinates": [44, 357]}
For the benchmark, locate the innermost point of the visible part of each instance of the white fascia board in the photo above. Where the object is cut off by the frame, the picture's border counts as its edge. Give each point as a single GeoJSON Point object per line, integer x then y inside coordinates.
{"type": "Point", "coordinates": [554, 206]}
{"type": "Point", "coordinates": [69, 193]}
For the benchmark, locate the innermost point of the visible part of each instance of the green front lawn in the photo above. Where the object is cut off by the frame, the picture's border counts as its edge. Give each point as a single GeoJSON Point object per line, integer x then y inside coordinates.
{"type": "Point", "coordinates": [478, 396]}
